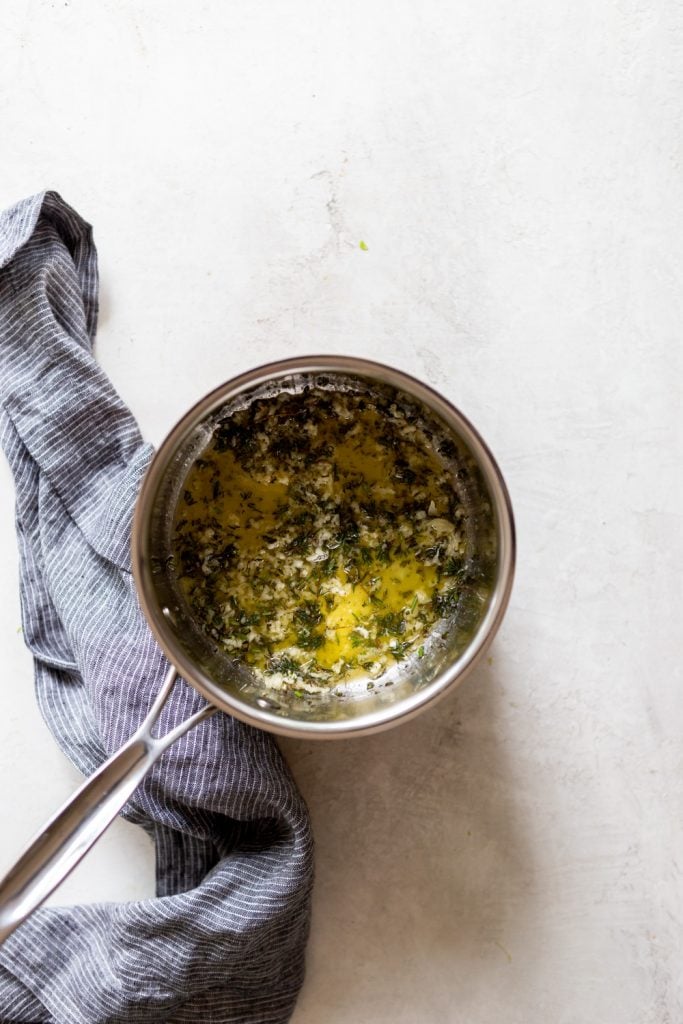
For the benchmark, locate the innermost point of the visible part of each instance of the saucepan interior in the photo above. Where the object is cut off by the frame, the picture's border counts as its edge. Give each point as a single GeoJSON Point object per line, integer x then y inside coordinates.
{"type": "Point", "coordinates": [456, 642]}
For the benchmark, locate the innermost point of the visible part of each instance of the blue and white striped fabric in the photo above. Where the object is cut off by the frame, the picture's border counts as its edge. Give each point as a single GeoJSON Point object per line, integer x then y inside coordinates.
{"type": "Point", "coordinates": [224, 939]}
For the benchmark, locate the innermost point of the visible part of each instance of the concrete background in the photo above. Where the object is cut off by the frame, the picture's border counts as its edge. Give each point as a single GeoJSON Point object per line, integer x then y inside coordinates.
{"type": "Point", "coordinates": [515, 171]}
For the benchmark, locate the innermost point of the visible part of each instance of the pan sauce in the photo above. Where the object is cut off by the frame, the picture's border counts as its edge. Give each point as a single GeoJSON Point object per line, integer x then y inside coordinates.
{"type": "Point", "coordinates": [320, 537]}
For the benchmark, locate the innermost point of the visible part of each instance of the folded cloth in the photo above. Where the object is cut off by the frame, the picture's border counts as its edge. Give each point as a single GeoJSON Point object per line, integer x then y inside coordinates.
{"type": "Point", "coordinates": [224, 939]}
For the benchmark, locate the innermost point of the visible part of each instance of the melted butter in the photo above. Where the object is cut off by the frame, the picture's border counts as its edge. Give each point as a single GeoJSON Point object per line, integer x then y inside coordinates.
{"type": "Point", "coordinates": [399, 584]}
{"type": "Point", "coordinates": [301, 542]}
{"type": "Point", "coordinates": [245, 504]}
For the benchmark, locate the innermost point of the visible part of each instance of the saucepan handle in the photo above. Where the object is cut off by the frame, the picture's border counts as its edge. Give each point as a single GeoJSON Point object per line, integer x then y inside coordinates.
{"type": "Point", "coordinates": [68, 836]}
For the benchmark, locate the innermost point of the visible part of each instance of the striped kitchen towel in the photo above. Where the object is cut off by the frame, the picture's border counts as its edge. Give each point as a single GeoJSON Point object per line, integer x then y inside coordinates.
{"type": "Point", "coordinates": [223, 941]}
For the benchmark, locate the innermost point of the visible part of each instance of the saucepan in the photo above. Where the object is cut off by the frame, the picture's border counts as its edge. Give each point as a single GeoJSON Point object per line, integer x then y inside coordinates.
{"type": "Point", "coordinates": [229, 685]}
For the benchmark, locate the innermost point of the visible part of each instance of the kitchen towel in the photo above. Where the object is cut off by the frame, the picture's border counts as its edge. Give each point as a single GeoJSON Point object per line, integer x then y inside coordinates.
{"type": "Point", "coordinates": [223, 941]}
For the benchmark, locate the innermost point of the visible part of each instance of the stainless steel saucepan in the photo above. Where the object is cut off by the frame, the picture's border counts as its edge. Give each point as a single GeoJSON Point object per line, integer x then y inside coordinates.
{"type": "Point", "coordinates": [456, 645]}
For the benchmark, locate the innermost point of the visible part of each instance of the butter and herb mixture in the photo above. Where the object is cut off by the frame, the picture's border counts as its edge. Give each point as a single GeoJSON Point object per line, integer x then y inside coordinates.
{"type": "Point", "coordinates": [320, 537]}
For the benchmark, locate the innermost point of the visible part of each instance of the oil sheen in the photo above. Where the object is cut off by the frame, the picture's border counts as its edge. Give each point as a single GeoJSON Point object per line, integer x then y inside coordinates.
{"type": "Point", "coordinates": [320, 537]}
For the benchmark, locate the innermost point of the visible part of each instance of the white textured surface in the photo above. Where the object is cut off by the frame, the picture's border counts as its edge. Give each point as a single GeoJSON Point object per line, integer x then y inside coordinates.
{"type": "Point", "coordinates": [515, 170]}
